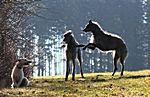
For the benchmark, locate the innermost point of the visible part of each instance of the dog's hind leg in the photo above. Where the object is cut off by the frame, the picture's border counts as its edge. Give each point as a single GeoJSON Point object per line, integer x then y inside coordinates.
{"type": "Point", "coordinates": [73, 72]}
{"type": "Point", "coordinates": [123, 57]}
{"type": "Point", "coordinates": [24, 82]}
{"type": "Point", "coordinates": [115, 62]}
{"type": "Point", "coordinates": [67, 70]}
{"type": "Point", "coordinates": [122, 61]}
{"type": "Point", "coordinates": [122, 64]}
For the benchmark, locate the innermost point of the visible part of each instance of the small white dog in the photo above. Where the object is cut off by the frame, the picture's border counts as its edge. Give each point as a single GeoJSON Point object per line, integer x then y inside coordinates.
{"type": "Point", "coordinates": [17, 75]}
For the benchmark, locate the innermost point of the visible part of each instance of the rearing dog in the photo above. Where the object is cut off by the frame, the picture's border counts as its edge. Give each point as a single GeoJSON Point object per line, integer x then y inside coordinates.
{"type": "Point", "coordinates": [17, 75]}
{"type": "Point", "coordinates": [107, 42]}
{"type": "Point", "coordinates": [72, 53]}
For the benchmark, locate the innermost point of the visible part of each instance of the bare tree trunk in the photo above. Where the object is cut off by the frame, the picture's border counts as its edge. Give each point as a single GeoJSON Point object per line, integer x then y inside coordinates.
{"type": "Point", "coordinates": [12, 18]}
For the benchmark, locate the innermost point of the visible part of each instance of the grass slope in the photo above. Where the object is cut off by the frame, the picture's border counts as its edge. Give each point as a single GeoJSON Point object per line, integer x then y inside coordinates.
{"type": "Point", "coordinates": [135, 84]}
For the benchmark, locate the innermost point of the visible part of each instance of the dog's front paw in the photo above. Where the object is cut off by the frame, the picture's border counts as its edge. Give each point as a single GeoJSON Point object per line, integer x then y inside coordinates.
{"type": "Point", "coordinates": [30, 84]}
{"type": "Point", "coordinates": [13, 86]}
{"type": "Point", "coordinates": [91, 48]}
{"type": "Point", "coordinates": [84, 48]}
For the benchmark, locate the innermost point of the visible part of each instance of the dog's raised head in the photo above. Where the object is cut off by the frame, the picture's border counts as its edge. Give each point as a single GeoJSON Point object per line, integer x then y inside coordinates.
{"type": "Point", "coordinates": [22, 62]}
{"type": "Point", "coordinates": [91, 26]}
{"type": "Point", "coordinates": [67, 36]}
{"type": "Point", "coordinates": [88, 26]}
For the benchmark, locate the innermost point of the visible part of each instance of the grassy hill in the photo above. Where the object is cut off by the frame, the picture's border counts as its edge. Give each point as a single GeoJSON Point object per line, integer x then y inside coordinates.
{"type": "Point", "coordinates": [135, 84]}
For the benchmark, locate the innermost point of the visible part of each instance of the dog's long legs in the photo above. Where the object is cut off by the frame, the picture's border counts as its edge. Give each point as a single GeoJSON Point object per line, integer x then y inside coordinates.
{"type": "Point", "coordinates": [90, 45]}
{"type": "Point", "coordinates": [80, 62]}
{"type": "Point", "coordinates": [115, 62]}
{"type": "Point", "coordinates": [122, 63]}
{"type": "Point", "coordinates": [81, 70]}
{"type": "Point", "coordinates": [67, 70]}
{"type": "Point", "coordinates": [73, 73]}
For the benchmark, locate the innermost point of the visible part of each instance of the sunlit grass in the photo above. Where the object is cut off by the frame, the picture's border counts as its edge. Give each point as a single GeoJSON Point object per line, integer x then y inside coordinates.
{"type": "Point", "coordinates": [94, 85]}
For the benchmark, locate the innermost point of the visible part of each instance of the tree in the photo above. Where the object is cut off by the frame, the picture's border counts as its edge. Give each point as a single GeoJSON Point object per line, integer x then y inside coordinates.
{"type": "Point", "coordinates": [12, 18]}
{"type": "Point", "coordinates": [143, 35]}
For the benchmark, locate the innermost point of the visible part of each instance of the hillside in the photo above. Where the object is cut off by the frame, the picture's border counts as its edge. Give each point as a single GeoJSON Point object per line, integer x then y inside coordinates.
{"type": "Point", "coordinates": [135, 84]}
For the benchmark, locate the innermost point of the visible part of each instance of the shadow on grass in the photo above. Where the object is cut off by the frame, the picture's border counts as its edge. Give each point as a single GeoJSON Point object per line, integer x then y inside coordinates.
{"type": "Point", "coordinates": [97, 79]}
{"type": "Point", "coordinates": [56, 85]}
{"type": "Point", "coordinates": [136, 76]}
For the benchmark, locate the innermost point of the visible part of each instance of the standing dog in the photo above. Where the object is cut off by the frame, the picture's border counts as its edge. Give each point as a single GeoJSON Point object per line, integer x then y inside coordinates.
{"type": "Point", "coordinates": [17, 75]}
{"type": "Point", "coordinates": [72, 52]}
{"type": "Point", "coordinates": [107, 42]}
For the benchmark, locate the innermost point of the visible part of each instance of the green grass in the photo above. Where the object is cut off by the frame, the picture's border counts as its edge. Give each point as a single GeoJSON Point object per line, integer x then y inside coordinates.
{"type": "Point", "coordinates": [133, 84]}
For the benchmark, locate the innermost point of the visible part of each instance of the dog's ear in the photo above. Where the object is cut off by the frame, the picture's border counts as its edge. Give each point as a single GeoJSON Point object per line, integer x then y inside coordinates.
{"type": "Point", "coordinates": [90, 21]}
{"type": "Point", "coordinates": [67, 33]}
{"type": "Point", "coordinates": [18, 60]}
